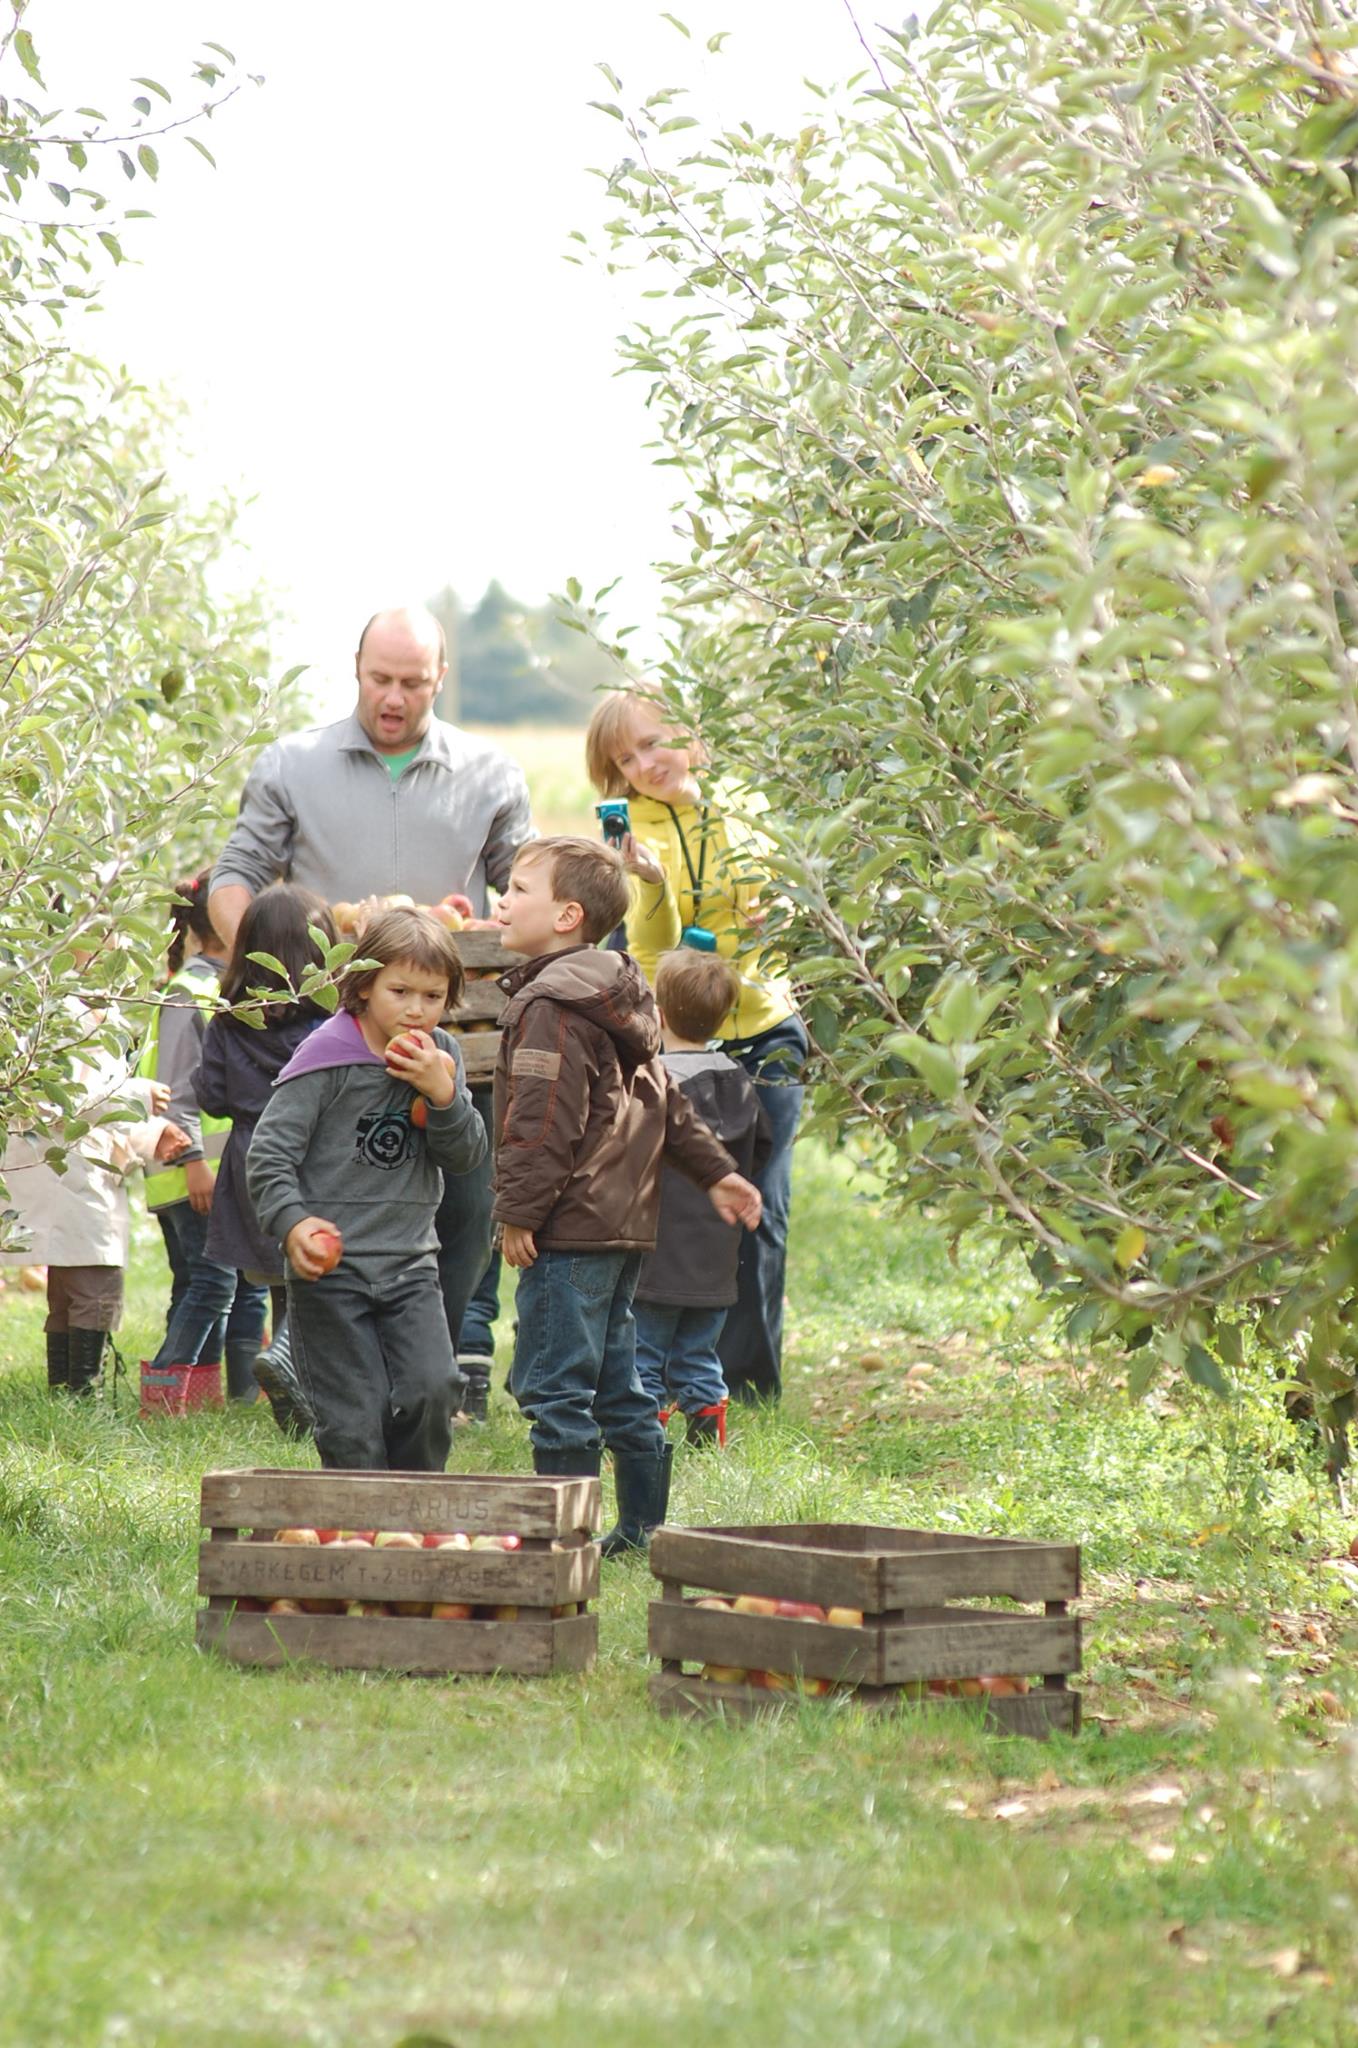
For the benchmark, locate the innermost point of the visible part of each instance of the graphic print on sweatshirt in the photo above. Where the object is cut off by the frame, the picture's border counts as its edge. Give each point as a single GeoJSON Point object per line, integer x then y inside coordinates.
{"type": "Point", "coordinates": [386, 1138]}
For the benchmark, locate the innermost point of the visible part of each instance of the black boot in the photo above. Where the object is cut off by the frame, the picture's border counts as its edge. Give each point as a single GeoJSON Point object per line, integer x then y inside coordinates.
{"type": "Point", "coordinates": [86, 1349]}
{"type": "Point", "coordinates": [58, 1359]}
{"type": "Point", "coordinates": [273, 1369]}
{"type": "Point", "coordinates": [566, 1464]}
{"type": "Point", "coordinates": [476, 1395]}
{"type": "Point", "coordinates": [643, 1490]}
{"type": "Point", "coordinates": [241, 1384]}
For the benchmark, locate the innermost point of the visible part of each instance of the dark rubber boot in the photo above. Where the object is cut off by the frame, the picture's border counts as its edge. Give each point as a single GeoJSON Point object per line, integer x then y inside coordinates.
{"type": "Point", "coordinates": [643, 1490]}
{"type": "Point", "coordinates": [58, 1359]}
{"type": "Point", "coordinates": [241, 1384]}
{"type": "Point", "coordinates": [566, 1464]}
{"type": "Point", "coordinates": [708, 1425]}
{"type": "Point", "coordinates": [86, 1359]}
{"type": "Point", "coordinates": [273, 1369]}
{"type": "Point", "coordinates": [476, 1395]}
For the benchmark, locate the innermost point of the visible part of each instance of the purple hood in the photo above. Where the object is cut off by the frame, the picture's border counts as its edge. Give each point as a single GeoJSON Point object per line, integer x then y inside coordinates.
{"type": "Point", "coordinates": [337, 1043]}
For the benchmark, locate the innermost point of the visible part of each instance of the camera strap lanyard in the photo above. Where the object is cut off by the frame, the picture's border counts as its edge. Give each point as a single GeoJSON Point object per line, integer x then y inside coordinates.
{"type": "Point", "coordinates": [695, 875]}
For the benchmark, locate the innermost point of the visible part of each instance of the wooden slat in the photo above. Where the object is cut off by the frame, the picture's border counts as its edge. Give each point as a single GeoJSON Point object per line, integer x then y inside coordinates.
{"type": "Point", "coordinates": [1035, 1714]}
{"type": "Point", "coordinates": [489, 1578]}
{"type": "Point", "coordinates": [969, 1642]}
{"type": "Point", "coordinates": [756, 1642]}
{"type": "Point", "coordinates": [528, 1649]}
{"type": "Point", "coordinates": [858, 1565]}
{"type": "Point", "coordinates": [1035, 1571]}
{"type": "Point", "coordinates": [483, 949]}
{"type": "Point", "coordinates": [742, 1564]}
{"type": "Point", "coordinates": [278, 1499]}
{"type": "Point", "coordinates": [482, 1001]}
{"type": "Point", "coordinates": [480, 1051]}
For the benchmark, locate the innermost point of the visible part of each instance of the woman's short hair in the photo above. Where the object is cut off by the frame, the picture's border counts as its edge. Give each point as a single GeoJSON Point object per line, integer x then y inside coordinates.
{"type": "Point", "coordinates": [607, 730]}
{"type": "Point", "coordinates": [396, 936]}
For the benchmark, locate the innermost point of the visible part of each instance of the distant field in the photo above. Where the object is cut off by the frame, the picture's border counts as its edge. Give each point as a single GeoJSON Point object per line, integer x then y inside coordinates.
{"type": "Point", "coordinates": [553, 759]}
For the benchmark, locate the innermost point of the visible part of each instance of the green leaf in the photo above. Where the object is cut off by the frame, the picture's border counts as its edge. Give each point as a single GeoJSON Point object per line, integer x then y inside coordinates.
{"type": "Point", "coordinates": [148, 160]}
{"type": "Point", "coordinates": [1204, 1371]}
{"type": "Point", "coordinates": [27, 55]}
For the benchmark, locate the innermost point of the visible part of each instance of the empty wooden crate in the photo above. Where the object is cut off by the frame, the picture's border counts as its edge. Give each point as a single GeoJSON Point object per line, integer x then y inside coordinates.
{"type": "Point", "coordinates": [884, 1620]}
{"type": "Point", "coordinates": [518, 1604]}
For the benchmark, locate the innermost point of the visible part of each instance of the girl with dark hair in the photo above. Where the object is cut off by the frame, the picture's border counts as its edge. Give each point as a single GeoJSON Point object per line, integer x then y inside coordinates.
{"type": "Point", "coordinates": [210, 1308]}
{"type": "Point", "coordinates": [240, 1063]}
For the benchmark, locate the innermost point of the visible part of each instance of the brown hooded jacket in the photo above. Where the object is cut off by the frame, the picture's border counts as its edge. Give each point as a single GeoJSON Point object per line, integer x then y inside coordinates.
{"type": "Point", "coordinates": [585, 1111]}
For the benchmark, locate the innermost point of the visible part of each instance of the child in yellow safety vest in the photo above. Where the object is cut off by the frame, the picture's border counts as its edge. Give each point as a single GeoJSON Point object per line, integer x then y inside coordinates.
{"type": "Point", "coordinates": [212, 1307]}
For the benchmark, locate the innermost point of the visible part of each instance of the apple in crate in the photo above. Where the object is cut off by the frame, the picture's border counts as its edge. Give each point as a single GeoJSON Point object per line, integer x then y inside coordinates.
{"type": "Point", "coordinates": [713, 1601]}
{"type": "Point", "coordinates": [447, 1539]}
{"type": "Point", "coordinates": [504, 1613]}
{"type": "Point", "coordinates": [284, 1607]}
{"type": "Point", "coordinates": [451, 1610]}
{"type": "Point", "coordinates": [295, 1536]}
{"type": "Point", "coordinates": [414, 1609]}
{"type": "Point", "coordinates": [368, 1607]}
{"type": "Point", "coordinates": [726, 1674]}
{"type": "Point", "coordinates": [365, 1536]}
{"type": "Point", "coordinates": [845, 1617]}
{"type": "Point", "coordinates": [397, 1539]}
{"type": "Point", "coordinates": [754, 1603]}
{"type": "Point", "coordinates": [497, 1543]}
{"type": "Point", "coordinates": [799, 1610]}
{"type": "Point", "coordinates": [566, 1610]}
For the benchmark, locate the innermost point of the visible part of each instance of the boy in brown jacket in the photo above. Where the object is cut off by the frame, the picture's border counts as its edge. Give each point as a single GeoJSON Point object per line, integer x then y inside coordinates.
{"type": "Point", "coordinates": [585, 1112]}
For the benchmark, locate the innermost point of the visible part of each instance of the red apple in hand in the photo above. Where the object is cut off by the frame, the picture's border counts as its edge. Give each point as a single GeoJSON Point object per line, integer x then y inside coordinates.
{"type": "Point", "coordinates": [328, 1247]}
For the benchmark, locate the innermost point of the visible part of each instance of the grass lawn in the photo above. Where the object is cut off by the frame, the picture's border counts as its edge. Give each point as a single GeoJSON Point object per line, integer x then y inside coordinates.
{"type": "Point", "coordinates": [196, 1853]}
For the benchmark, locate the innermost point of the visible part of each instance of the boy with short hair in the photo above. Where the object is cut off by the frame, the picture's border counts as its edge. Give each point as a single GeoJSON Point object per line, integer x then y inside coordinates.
{"type": "Point", "coordinates": [689, 1281]}
{"type": "Point", "coordinates": [584, 1114]}
{"type": "Point", "coordinates": [344, 1168]}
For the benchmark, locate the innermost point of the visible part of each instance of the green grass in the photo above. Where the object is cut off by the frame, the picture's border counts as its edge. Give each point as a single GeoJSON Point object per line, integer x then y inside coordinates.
{"type": "Point", "coordinates": [193, 1852]}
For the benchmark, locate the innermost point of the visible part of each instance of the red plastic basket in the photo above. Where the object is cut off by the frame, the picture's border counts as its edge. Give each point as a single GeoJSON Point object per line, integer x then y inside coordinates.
{"type": "Point", "coordinates": [175, 1389]}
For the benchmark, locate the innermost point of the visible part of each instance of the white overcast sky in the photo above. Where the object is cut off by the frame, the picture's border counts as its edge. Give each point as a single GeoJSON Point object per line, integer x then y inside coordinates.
{"type": "Point", "coordinates": [366, 307]}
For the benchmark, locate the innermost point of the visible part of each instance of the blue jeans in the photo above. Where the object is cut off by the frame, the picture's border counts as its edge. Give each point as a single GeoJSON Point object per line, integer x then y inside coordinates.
{"type": "Point", "coordinates": [575, 1367]}
{"type": "Point", "coordinates": [677, 1359]}
{"type": "Point", "coordinates": [751, 1349]}
{"type": "Point", "coordinates": [477, 1338]}
{"type": "Point", "coordinates": [215, 1304]}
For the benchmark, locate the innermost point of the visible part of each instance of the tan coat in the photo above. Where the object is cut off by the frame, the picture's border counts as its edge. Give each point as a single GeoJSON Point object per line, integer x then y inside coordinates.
{"type": "Point", "coordinates": [80, 1217]}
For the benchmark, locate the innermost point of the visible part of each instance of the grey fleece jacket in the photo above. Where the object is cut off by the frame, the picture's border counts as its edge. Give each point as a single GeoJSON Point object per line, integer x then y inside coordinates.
{"type": "Point", "coordinates": [320, 808]}
{"type": "Point", "coordinates": [336, 1140]}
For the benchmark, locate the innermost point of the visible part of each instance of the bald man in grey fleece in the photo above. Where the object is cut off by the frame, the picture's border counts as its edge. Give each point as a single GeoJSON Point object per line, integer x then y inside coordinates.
{"type": "Point", "coordinates": [389, 800]}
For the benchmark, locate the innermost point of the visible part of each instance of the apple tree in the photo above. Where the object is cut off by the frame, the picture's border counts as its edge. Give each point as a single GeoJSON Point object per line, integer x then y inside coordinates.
{"type": "Point", "coordinates": [130, 679]}
{"type": "Point", "coordinates": [1012, 405]}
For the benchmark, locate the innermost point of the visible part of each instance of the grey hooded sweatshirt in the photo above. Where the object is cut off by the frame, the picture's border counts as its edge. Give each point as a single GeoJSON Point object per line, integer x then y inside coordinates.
{"type": "Point", "coordinates": [336, 1140]}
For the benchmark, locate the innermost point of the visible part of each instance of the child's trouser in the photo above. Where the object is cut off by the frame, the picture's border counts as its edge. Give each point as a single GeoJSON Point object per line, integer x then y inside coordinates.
{"type": "Point", "coordinates": [375, 1360]}
{"type": "Point", "coordinates": [208, 1303]}
{"type": "Point", "coordinates": [677, 1359]}
{"type": "Point", "coordinates": [83, 1298]}
{"type": "Point", "coordinates": [575, 1371]}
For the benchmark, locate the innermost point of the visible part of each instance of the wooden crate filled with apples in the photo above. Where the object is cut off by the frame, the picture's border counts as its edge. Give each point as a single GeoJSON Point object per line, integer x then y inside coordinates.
{"type": "Point", "coordinates": [475, 1023]}
{"type": "Point", "coordinates": [750, 1617]}
{"type": "Point", "coordinates": [400, 1571]}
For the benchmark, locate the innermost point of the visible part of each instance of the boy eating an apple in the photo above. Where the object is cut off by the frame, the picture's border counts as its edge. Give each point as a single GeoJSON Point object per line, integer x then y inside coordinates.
{"type": "Point", "coordinates": [344, 1168]}
{"type": "Point", "coordinates": [585, 1112]}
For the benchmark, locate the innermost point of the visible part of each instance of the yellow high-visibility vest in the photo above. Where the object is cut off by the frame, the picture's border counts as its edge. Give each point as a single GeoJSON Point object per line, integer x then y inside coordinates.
{"type": "Point", "coordinates": [167, 1184]}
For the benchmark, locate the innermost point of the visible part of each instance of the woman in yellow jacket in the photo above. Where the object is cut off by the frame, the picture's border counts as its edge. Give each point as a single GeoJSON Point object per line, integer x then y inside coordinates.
{"type": "Point", "coordinates": [698, 877]}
